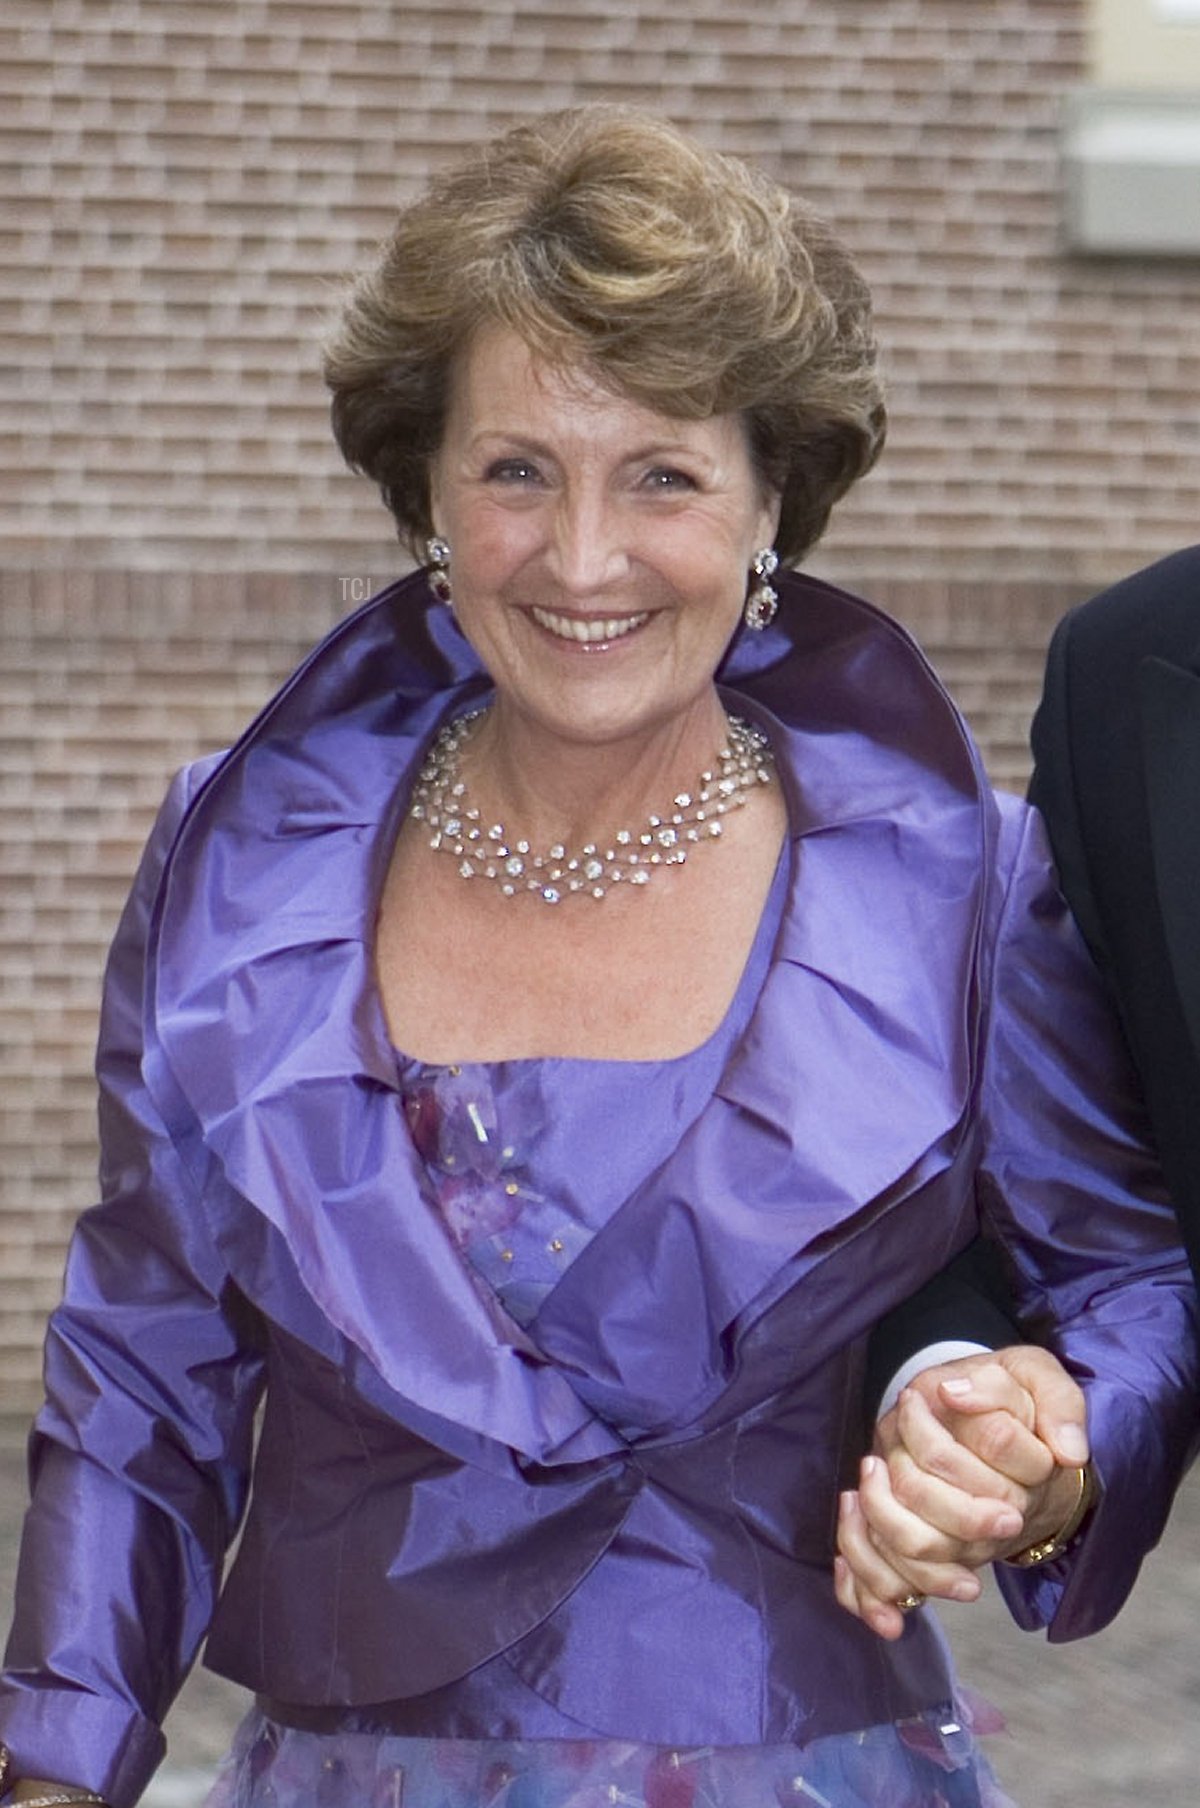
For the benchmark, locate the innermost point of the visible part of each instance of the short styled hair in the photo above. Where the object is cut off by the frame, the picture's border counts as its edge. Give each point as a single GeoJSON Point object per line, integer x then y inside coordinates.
{"type": "Point", "coordinates": [682, 278]}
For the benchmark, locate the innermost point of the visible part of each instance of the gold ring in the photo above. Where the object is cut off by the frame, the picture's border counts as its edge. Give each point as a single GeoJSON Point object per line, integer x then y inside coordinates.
{"type": "Point", "coordinates": [907, 1603]}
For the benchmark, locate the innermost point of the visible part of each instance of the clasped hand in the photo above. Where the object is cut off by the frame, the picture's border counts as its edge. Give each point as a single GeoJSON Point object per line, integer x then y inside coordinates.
{"type": "Point", "coordinates": [978, 1460]}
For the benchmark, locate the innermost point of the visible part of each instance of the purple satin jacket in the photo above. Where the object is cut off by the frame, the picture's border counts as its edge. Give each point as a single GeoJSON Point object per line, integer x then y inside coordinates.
{"type": "Point", "coordinates": [622, 1516]}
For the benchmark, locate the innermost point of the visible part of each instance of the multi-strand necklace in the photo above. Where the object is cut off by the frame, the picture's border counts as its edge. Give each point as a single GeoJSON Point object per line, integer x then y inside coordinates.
{"type": "Point", "coordinates": [442, 802]}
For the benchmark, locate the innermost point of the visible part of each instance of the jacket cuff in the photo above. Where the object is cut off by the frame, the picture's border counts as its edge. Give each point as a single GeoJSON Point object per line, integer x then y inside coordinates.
{"type": "Point", "coordinates": [1080, 1592]}
{"type": "Point", "coordinates": [67, 1735]}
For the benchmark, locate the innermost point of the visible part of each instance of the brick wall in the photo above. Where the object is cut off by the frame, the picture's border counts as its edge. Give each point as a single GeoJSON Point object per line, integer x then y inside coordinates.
{"type": "Point", "coordinates": [187, 184]}
{"type": "Point", "coordinates": [182, 188]}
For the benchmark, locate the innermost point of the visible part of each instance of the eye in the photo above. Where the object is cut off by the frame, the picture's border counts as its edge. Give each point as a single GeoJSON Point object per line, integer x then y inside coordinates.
{"type": "Point", "coordinates": [667, 480]}
{"type": "Point", "coordinates": [513, 471]}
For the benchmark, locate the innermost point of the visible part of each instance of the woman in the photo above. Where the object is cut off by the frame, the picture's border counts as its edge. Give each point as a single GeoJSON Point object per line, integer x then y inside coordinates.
{"type": "Point", "coordinates": [540, 1050]}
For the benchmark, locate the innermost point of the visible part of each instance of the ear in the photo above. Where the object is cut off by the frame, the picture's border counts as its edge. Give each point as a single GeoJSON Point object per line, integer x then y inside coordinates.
{"type": "Point", "coordinates": [433, 489]}
{"type": "Point", "coordinates": [768, 520]}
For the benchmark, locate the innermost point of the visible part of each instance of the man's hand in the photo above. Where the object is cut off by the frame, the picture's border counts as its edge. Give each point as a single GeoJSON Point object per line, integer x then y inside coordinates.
{"type": "Point", "coordinates": [977, 1460]}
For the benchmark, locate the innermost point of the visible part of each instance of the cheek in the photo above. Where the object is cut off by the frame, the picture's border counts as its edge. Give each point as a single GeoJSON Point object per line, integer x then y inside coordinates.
{"type": "Point", "coordinates": [711, 568]}
{"type": "Point", "coordinates": [491, 544]}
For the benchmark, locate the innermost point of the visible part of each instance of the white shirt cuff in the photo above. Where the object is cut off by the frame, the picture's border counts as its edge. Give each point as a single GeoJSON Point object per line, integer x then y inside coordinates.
{"type": "Point", "coordinates": [928, 1358]}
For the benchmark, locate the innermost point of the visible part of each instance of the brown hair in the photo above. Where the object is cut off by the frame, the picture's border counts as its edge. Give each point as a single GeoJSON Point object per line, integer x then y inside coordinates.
{"type": "Point", "coordinates": [683, 278]}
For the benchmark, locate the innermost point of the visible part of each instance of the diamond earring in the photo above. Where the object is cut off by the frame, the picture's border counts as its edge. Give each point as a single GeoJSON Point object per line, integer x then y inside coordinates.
{"type": "Point", "coordinates": [763, 599]}
{"type": "Point", "coordinates": [437, 574]}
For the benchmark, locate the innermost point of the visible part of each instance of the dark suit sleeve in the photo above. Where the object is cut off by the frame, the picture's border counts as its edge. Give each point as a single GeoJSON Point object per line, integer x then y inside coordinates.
{"type": "Point", "coordinates": [968, 1302]}
{"type": "Point", "coordinates": [1053, 790]}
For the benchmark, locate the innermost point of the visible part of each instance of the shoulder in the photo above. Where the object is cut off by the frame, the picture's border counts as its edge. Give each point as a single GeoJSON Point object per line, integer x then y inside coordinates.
{"type": "Point", "coordinates": [1021, 870]}
{"type": "Point", "coordinates": [1153, 613]}
{"type": "Point", "coordinates": [185, 787]}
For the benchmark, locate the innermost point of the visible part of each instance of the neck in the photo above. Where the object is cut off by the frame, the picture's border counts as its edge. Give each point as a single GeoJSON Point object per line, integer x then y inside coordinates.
{"type": "Point", "coordinates": [550, 787]}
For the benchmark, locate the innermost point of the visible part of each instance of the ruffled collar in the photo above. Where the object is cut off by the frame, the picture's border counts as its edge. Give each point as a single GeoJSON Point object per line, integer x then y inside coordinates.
{"type": "Point", "coordinates": [853, 1074]}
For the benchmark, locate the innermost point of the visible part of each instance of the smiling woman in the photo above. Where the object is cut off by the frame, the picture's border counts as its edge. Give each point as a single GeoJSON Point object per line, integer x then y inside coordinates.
{"type": "Point", "coordinates": [596, 989]}
{"type": "Point", "coordinates": [632, 372]}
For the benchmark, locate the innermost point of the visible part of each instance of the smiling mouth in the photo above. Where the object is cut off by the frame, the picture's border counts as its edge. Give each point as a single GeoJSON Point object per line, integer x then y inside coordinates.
{"type": "Point", "coordinates": [588, 630]}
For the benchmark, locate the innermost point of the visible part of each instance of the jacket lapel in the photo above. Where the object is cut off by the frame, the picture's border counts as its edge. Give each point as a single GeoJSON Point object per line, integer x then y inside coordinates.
{"type": "Point", "coordinates": [268, 1051]}
{"type": "Point", "coordinates": [1169, 697]}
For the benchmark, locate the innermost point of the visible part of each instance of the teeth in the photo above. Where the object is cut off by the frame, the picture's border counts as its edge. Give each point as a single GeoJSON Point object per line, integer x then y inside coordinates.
{"type": "Point", "coordinates": [597, 628]}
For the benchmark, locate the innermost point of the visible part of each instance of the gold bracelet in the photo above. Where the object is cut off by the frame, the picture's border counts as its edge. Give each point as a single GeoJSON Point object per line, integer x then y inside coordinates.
{"type": "Point", "coordinates": [1046, 1548]}
{"type": "Point", "coordinates": [57, 1798]}
{"type": "Point", "coordinates": [61, 1799]}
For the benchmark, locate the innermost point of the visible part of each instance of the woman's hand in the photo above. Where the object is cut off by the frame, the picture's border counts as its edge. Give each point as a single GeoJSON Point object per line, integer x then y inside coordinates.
{"type": "Point", "coordinates": [979, 1459]}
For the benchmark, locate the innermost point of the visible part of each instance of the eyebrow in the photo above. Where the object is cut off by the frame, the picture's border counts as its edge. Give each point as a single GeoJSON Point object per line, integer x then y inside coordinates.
{"type": "Point", "coordinates": [515, 439]}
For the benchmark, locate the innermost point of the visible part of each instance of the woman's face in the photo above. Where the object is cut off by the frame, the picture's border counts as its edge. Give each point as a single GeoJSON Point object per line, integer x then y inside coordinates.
{"type": "Point", "coordinates": [599, 550]}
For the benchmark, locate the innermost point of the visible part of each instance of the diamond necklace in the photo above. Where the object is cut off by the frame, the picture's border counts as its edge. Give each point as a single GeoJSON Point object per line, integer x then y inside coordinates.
{"type": "Point", "coordinates": [442, 802]}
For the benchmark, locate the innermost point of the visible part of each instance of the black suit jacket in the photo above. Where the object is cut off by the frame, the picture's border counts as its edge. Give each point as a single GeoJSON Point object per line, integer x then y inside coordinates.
{"type": "Point", "coordinates": [1116, 744]}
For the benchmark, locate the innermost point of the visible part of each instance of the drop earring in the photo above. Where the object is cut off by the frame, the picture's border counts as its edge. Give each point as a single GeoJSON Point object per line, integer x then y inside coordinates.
{"type": "Point", "coordinates": [763, 600]}
{"type": "Point", "coordinates": [437, 572]}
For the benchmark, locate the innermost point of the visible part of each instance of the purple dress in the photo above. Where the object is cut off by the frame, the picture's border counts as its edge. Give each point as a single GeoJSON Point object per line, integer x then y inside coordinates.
{"type": "Point", "coordinates": [526, 1161]}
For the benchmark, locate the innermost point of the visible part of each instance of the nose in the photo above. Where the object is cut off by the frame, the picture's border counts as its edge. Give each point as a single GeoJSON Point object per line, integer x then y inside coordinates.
{"type": "Point", "coordinates": [587, 551]}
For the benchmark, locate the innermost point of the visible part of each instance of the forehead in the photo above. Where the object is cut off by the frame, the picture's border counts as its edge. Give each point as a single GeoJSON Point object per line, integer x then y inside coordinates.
{"type": "Point", "coordinates": [501, 384]}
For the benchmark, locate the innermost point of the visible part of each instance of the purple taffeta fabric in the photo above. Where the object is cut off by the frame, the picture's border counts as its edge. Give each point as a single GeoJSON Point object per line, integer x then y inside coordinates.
{"type": "Point", "coordinates": [650, 1465]}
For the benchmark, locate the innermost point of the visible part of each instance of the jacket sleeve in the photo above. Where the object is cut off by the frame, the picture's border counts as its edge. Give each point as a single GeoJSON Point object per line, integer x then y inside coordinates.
{"type": "Point", "coordinates": [139, 1457]}
{"type": "Point", "coordinates": [1072, 1191]}
{"type": "Point", "coordinates": [969, 1299]}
